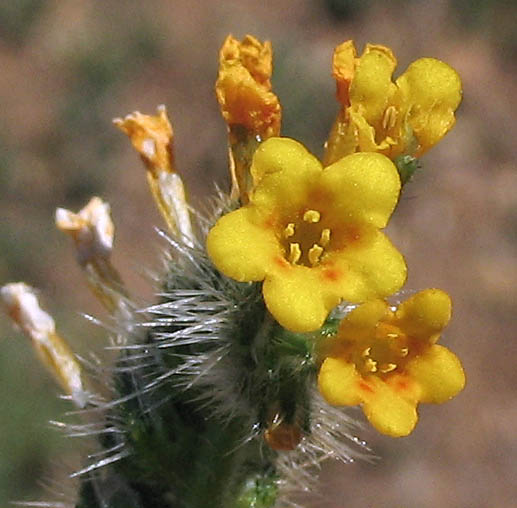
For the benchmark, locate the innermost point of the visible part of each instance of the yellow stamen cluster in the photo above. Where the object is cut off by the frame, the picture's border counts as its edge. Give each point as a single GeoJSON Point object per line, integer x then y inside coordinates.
{"type": "Point", "coordinates": [387, 351]}
{"type": "Point", "coordinates": [301, 243]}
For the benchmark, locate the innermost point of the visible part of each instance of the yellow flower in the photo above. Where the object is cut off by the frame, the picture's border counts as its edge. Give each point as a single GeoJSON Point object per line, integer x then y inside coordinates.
{"type": "Point", "coordinates": [406, 117]}
{"type": "Point", "coordinates": [388, 361]}
{"type": "Point", "coordinates": [312, 234]}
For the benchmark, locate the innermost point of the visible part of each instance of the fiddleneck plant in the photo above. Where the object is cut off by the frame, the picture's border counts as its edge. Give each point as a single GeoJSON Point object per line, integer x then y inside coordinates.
{"type": "Point", "coordinates": [274, 313]}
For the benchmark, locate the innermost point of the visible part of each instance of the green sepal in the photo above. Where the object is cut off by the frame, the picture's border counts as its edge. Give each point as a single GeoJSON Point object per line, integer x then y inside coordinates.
{"type": "Point", "coordinates": [406, 166]}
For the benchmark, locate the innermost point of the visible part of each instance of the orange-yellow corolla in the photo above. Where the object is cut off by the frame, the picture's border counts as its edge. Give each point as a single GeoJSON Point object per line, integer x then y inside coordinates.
{"type": "Point", "coordinates": [405, 117]}
{"type": "Point", "coordinates": [388, 361]}
{"type": "Point", "coordinates": [243, 87]}
{"type": "Point", "coordinates": [312, 234]}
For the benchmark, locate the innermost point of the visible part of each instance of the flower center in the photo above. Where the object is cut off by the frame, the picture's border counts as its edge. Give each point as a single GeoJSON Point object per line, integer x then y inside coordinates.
{"type": "Point", "coordinates": [386, 351]}
{"type": "Point", "coordinates": [306, 240]}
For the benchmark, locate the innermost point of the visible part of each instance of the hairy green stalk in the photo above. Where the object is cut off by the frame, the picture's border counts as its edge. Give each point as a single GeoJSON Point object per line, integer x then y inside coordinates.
{"type": "Point", "coordinates": [203, 376]}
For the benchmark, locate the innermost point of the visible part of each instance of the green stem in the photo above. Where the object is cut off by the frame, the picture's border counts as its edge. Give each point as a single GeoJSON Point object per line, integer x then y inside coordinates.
{"type": "Point", "coordinates": [183, 455]}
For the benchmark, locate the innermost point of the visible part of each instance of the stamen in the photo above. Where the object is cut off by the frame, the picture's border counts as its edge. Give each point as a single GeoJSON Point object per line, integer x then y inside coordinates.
{"type": "Point", "coordinates": [389, 118]}
{"type": "Point", "coordinates": [370, 365]}
{"type": "Point", "coordinates": [315, 254]}
{"type": "Point", "coordinates": [387, 367]}
{"type": "Point", "coordinates": [325, 237]}
{"type": "Point", "coordinates": [392, 335]}
{"type": "Point", "coordinates": [366, 352]}
{"type": "Point", "coordinates": [295, 253]}
{"type": "Point", "coordinates": [289, 230]}
{"type": "Point", "coordinates": [312, 216]}
{"type": "Point", "coordinates": [404, 351]}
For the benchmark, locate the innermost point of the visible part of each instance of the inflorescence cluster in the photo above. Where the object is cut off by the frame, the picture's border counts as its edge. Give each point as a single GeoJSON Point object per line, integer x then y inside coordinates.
{"type": "Point", "coordinates": [272, 312]}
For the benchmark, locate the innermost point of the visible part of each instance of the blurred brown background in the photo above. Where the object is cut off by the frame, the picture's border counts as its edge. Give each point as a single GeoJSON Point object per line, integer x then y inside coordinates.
{"type": "Point", "coordinates": [68, 67]}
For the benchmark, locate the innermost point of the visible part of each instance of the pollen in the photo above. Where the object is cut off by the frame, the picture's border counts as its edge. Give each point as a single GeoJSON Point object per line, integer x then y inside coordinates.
{"type": "Point", "coordinates": [314, 254]}
{"type": "Point", "coordinates": [387, 367]}
{"type": "Point", "coordinates": [311, 216]}
{"type": "Point", "coordinates": [289, 230]}
{"type": "Point", "coordinates": [325, 237]}
{"type": "Point", "coordinates": [295, 253]}
{"type": "Point", "coordinates": [370, 365]}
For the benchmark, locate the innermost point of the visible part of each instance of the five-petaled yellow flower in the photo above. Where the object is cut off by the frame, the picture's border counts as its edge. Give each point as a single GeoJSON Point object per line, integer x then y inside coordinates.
{"type": "Point", "coordinates": [312, 234]}
{"type": "Point", "coordinates": [389, 361]}
{"type": "Point", "coordinates": [407, 116]}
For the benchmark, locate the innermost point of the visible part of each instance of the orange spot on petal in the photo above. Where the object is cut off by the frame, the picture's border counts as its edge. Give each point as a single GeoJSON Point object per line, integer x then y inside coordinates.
{"type": "Point", "coordinates": [270, 222]}
{"type": "Point", "coordinates": [319, 198]}
{"type": "Point", "coordinates": [280, 262]}
{"type": "Point", "coordinates": [352, 234]}
{"type": "Point", "coordinates": [365, 387]}
{"type": "Point", "coordinates": [332, 274]}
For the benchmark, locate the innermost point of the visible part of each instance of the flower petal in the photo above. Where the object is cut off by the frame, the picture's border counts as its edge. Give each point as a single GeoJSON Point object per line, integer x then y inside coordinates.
{"type": "Point", "coordinates": [425, 314]}
{"type": "Point", "coordinates": [387, 411]}
{"type": "Point", "coordinates": [432, 91]}
{"type": "Point", "coordinates": [245, 102]}
{"type": "Point", "coordinates": [363, 186]}
{"type": "Point", "coordinates": [372, 86]}
{"type": "Point", "coordinates": [366, 134]}
{"type": "Point", "coordinates": [243, 87]}
{"type": "Point", "coordinates": [338, 382]}
{"type": "Point", "coordinates": [343, 69]}
{"type": "Point", "coordinates": [283, 172]}
{"type": "Point", "coordinates": [240, 247]}
{"type": "Point", "coordinates": [359, 324]}
{"type": "Point", "coordinates": [293, 294]}
{"type": "Point", "coordinates": [342, 139]}
{"type": "Point", "coordinates": [152, 137]}
{"type": "Point", "coordinates": [373, 269]}
{"type": "Point", "coordinates": [439, 374]}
